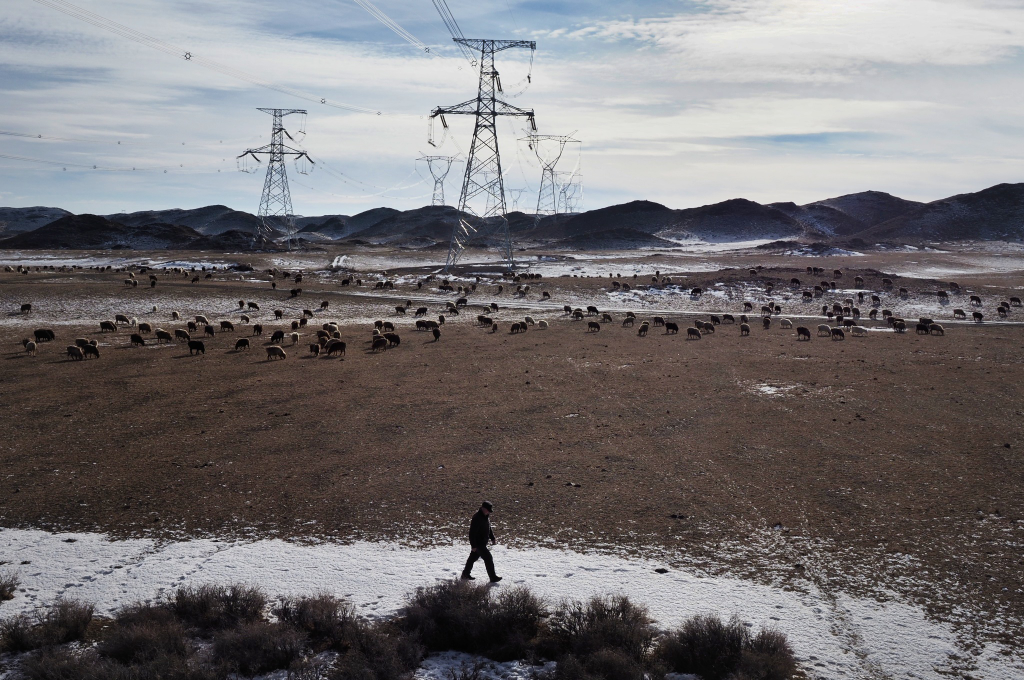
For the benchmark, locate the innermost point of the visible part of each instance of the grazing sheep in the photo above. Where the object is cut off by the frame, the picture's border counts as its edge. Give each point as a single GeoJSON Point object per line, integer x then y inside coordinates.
{"type": "Point", "coordinates": [400, 310]}
{"type": "Point", "coordinates": [643, 329]}
{"type": "Point", "coordinates": [824, 329]}
{"type": "Point", "coordinates": [886, 314]}
{"type": "Point", "coordinates": [161, 334]}
{"type": "Point", "coordinates": [324, 305]}
{"type": "Point", "coordinates": [192, 327]}
{"type": "Point", "coordinates": [253, 306]}
{"type": "Point", "coordinates": [421, 311]}
{"type": "Point", "coordinates": [137, 340]}
{"type": "Point", "coordinates": [671, 327]}
{"type": "Point", "coordinates": [766, 322]}
{"type": "Point", "coordinates": [295, 338]}
{"type": "Point", "coordinates": [378, 324]}
{"type": "Point", "coordinates": [786, 324]}
{"type": "Point", "coordinates": [899, 326]}
{"type": "Point", "coordinates": [936, 329]}
{"type": "Point", "coordinates": [803, 333]}
{"type": "Point", "coordinates": [314, 349]}
{"type": "Point", "coordinates": [592, 310]}
{"type": "Point", "coordinates": [108, 326]}
{"type": "Point", "coordinates": [75, 353]}
{"type": "Point", "coordinates": [1015, 302]}
{"type": "Point", "coordinates": [307, 313]}
{"type": "Point", "coordinates": [202, 320]}
{"type": "Point", "coordinates": [209, 330]}
{"type": "Point", "coordinates": [696, 292]}
{"type": "Point", "coordinates": [766, 311]}
{"type": "Point", "coordinates": [295, 325]}
{"type": "Point", "coordinates": [257, 329]}
{"type": "Point", "coordinates": [335, 347]}
{"type": "Point", "coordinates": [838, 334]}
{"type": "Point", "coordinates": [388, 327]}
{"type": "Point", "coordinates": [748, 307]}
{"type": "Point", "coordinates": [693, 333]}
{"type": "Point", "coordinates": [628, 321]}
{"type": "Point", "coordinates": [904, 293]}
{"type": "Point", "coordinates": [859, 331]}
{"type": "Point", "coordinates": [121, 318]}
{"type": "Point", "coordinates": [182, 335]}
{"type": "Point", "coordinates": [275, 353]}
{"type": "Point", "coordinates": [593, 326]}
{"type": "Point", "coordinates": [30, 348]}
{"type": "Point", "coordinates": [707, 327]}
{"type": "Point", "coordinates": [978, 316]}
{"type": "Point", "coordinates": [227, 326]}
{"type": "Point", "coordinates": [436, 332]}
{"type": "Point", "coordinates": [277, 336]}
{"type": "Point", "coordinates": [25, 308]}
{"type": "Point", "coordinates": [515, 328]}
{"type": "Point", "coordinates": [744, 329]}
{"type": "Point", "coordinates": [728, 318]}
{"type": "Point", "coordinates": [494, 328]}
{"type": "Point", "coordinates": [922, 329]}
{"type": "Point", "coordinates": [393, 339]}
{"type": "Point", "coordinates": [145, 328]}
{"type": "Point", "coordinates": [976, 301]}
{"type": "Point", "coordinates": [1002, 312]}
{"type": "Point", "coordinates": [175, 316]}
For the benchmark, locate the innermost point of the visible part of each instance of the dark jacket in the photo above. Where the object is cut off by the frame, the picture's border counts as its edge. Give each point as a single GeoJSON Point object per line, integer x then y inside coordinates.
{"type": "Point", "coordinates": [480, 530]}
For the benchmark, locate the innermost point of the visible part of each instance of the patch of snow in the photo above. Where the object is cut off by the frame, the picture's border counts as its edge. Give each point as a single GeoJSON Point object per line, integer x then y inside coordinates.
{"type": "Point", "coordinates": [448, 665]}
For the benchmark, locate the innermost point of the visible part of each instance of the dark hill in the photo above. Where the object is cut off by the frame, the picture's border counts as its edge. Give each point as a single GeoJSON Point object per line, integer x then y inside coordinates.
{"type": "Point", "coordinates": [644, 216]}
{"type": "Point", "coordinates": [615, 239]}
{"type": "Point", "coordinates": [432, 221]}
{"type": "Point", "coordinates": [93, 231]}
{"type": "Point", "coordinates": [734, 220]}
{"type": "Point", "coordinates": [820, 219]}
{"type": "Point", "coordinates": [991, 214]}
{"type": "Point", "coordinates": [17, 220]}
{"type": "Point", "coordinates": [869, 207]}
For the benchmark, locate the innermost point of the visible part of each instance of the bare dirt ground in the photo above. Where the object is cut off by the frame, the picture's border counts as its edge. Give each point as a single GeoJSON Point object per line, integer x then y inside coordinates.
{"type": "Point", "coordinates": [889, 465]}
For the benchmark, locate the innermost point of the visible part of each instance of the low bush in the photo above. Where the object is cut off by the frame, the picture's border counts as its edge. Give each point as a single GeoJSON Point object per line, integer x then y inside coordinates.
{"type": "Point", "coordinates": [253, 648]}
{"type": "Point", "coordinates": [209, 607]}
{"type": "Point", "coordinates": [9, 583]}
{"type": "Point", "coordinates": [63, 663]}
{"type": "Point", "coordinates": [65, 621]}
{"type": "Point", "coordinates": [714, 649]}
{"type": "Point", "coordinates": [460, 616]}
{"type": "Point", "coordinates": [615, 623]}
{"type": "Point", "coordinates": [142, 634]}
{"type": "Point", "coordinates": [378, 651]}
{"type": "Point", "coordinates": [327, 620]}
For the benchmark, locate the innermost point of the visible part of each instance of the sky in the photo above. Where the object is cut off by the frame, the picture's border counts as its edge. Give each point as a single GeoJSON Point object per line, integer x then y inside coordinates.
{"type": "Point", "coordinates": [685, 103]}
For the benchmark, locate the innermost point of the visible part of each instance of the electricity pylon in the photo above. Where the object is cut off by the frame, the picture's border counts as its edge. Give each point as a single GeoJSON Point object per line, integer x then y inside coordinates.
{"type": "Point", "coordinates": [439, 167]}
{"type": "Point", "coordinates": [277, 199]}
{"type": "Point", "coordinates": [549, 150]}
{"type": "Point", "coordinates": [483, 182]}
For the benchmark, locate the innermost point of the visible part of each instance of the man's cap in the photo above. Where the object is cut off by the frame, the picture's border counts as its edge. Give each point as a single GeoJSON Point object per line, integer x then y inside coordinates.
{"type": "Point", "coordinates": [487, 504]}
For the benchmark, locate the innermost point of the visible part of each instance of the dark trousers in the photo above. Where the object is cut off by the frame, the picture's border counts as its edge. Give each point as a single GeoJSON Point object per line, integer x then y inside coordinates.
{"type": "Point", "coordinates": [488, 562]}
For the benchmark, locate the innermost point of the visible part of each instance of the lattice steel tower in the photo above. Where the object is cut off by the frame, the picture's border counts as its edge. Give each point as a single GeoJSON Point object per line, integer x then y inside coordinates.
{"type": "Point", "coordinates": [277, 199]}
{"type": "Point", "coordinates": [549, 150]}
{"type": "Point", "coordinates": [483, 188]}
{"type": "Point", "coordinates": [439, 167]}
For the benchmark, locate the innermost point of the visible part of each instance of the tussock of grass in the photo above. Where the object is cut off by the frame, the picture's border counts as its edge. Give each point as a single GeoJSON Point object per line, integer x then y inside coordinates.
{"type": "Point", "coordinates": [602, 623]}
{"type": "Point", "coordinates": [65, 621]}
{"type": "Point", "coordinates": [253, 648]}
{"type": "Point", "coordinates": [715, 650]}
{"type": "Point", "coordinates": [323, 617]}
{"type": "Point", "coordinates": [143, 634]}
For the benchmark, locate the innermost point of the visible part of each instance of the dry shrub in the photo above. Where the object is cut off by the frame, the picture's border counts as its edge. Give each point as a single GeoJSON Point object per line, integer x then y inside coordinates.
{"type": "Point", "coordinates": [613, 623]}
{"type": "Point", "coordinates": [144, 634]}
{"type": "Point", "coordinates": [715, 650]}
{"type": "Point", "coordinates": [326, 619]}
{"type": "Point", "coordinates": [253, 648]}
{"type": "Point", "coordinates": [456, 615]}
{"type": "Point", "coordinates": [9, 582]}
{"type": "Point", "coordinates": [209, 607]}
{"type": "Point", "coordinates": [65, 621]}
{"type": "Point", "coordinates": [61, 663]}
{"type": "Point", "coordinates": [377, 651]}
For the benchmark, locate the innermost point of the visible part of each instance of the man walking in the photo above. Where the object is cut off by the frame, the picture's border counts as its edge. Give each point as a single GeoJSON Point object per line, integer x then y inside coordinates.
{"type": "Point", "coordinates": [479, 533]}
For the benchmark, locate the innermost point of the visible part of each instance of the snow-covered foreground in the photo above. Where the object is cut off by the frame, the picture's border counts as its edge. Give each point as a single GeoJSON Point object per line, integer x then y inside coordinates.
{"type": "Point", "coordinates": [832, 636]}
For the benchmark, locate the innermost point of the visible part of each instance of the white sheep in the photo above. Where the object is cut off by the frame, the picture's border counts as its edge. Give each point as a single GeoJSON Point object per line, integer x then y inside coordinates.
{"type": "Point", "coordinates": [542, 324]}
{"type": "Point", "coordinates": [155, 309]}
{"type": "Point", "coordinates": [30, 348]}
{"type": "Point", "coordinates": [824, 329]}
{"type": "Point", "coordinates": [786, 323]}
{"type": "Point", "coordinates": [175, 315]}
{"type": "Point", "coordinates": [529, 320]}
{"type": "Point", "coordinates": [859, 330]}
{"type": "Point", "coordinates": [295, 338]}
{"type": "Point", "coordinates": [202, 320]}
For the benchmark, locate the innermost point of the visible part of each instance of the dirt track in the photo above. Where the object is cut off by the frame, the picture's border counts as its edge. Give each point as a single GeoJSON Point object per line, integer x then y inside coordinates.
{"type": "Point", "coordinates": [891, 463]}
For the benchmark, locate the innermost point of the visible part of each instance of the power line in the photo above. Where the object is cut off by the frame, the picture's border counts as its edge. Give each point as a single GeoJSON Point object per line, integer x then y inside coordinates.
{"type": "Point", "coordinates": [453, 27]}
{"type": "Point", "coordinates": [88, 166]}
{"type": "Point", "coordinates": [167, 48]}
{"type": "Point", "coordinates": [405, 35]}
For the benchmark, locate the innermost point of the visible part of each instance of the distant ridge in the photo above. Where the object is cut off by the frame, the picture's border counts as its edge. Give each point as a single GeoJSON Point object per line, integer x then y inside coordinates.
{"type": "Point", "coordinates": [864, 218]}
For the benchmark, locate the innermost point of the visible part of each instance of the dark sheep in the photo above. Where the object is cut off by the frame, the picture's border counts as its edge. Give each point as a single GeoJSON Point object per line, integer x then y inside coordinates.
{"type": "Point", "coordinates": [593, 327]}
{"type": "Point", "coordinates": [421, 311]}
{"type": "Point", "coordinates": [400, 310]}
{"type": "Point", "coordinates": [975, 300]}
{"type": "Point", "coordinates": [388, 327]}
{"type": "Point", "coordinates": [227, 326]}
{"type": "Point", "coordinates": [922, 329]}
{"type": "Point", "coordinates": [91, 351]}
{"type": "Point", "coordinates": [838, 334]}
{"type": "Point", "coordinates": [314, 349]}
{"type": "Point", "coordinates": [196, 347]}
{"type": "Point", "coordinates": [592, 310]}
{"type": "Point", "coordinates": [899, 327]}
{"type": "Point", "coordinates": [257, 329]}
{"type": "Point", "coordinates": [628, 321]}
{"type": "Point", "coordinates": [436, 332]}
{"type": "Point", "coordinates": [803, 333]}
{"type": "Point", "coordinates": [393, 339]}
{"type": "Point", "coordinates": [978, 316]}
{"type": "Point", "coordinates": [693, 333]}
{"type": "Point", "coordinates": [75, 353]}
{"type": "Point", "coordinates": [295, 325]}
{"type": "Point", "coordinates": [137, 340]}
{"type": "Point", "coordinates": [25, 308]}
{"type": "Point", "coordinates": [275, 353]}
{"type": "Point", "coordinates": [744, 329]}
{"type": "Point", "coordinates": [659, 321]}
{"type": "Point", "coordinates": [163, 335]}
{"type": "Point", "coordinates": [643, 329]}
{"type": "Point", "coordinates": [766, 322]}
{"type": "Point", "coordinates": [936, 329]}
{"type": "Point", "coordinates": [715, 320]}
{"type": "Point", "coordinates": [145, 328]}
{"type": "Point", "coordinates": [278, 313]}
{"type": "Point", "coordinates": [335, 347]}
{"type": "Point", "coordinates": [671, 327]}
{"type": "Point", "coordinates": [241, 343]}
{"type": "Point", "coordinates": [44, 335]}
{"type": "Point", "coordinates": [307, 313]}
{"type": "Point", "coordinates": [182, 335]}
{"type": "Point", "coordinates": [708, 327]}
{"type": "Point", "coordinates": [209, 330]}
{"type": "Point", "coordinates": [696, 292]}
{"type": "Point", "coordinates": [324, 305]}
{"type": "Point", "coordinates": [277, 336]}
{"type": "Point", "coordinates": [254, 306]}
{"type": "Point", "coordinates": [108, 326]}
{"type": "Point", "coordinates": [728, 318]}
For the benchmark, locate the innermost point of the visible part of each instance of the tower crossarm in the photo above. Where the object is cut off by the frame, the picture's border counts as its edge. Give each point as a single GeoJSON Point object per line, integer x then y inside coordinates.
{"type": "Point", "coordinates": [479, 44]}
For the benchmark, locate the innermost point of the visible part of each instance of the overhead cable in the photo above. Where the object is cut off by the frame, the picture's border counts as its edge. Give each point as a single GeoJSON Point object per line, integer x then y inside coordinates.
{"type": "Point", "coordinates": [405, 35]}
{"type": "Point", "coordinates": [167, 48]}
{"type": "Point", "coordinates": [453, 27]}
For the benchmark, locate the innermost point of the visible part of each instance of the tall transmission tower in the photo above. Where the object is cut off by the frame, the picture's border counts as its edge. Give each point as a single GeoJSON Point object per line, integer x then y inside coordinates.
{"type": "Point", "coordinates": [549, 150]}
{"type": "Point", "coordinates": [439, 167]}
{"type": "Point", "coordinates": [483, 188]}
{"type": "Point", "coordinates": [277, 199]}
